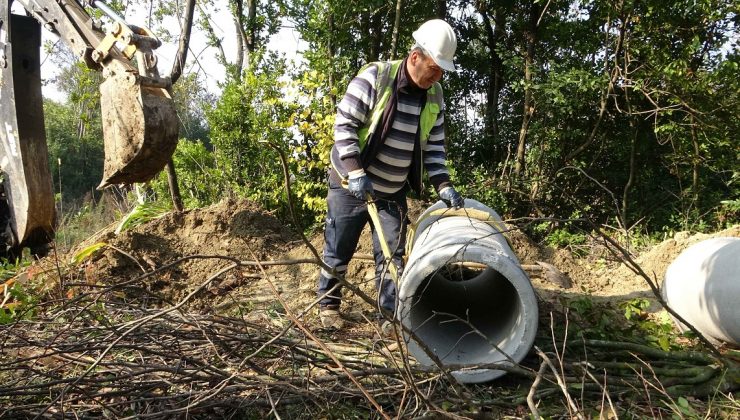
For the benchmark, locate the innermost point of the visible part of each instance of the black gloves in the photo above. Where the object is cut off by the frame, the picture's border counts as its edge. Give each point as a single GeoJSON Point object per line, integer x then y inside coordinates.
{"type": "Point", "coordinates": [360, 185]}
{"type": "Point", "coordinates": [451, 197]}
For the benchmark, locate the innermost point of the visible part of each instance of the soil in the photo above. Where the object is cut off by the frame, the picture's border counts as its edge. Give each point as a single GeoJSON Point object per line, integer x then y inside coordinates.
{"type": "Point", "coordinates": [212, 238]}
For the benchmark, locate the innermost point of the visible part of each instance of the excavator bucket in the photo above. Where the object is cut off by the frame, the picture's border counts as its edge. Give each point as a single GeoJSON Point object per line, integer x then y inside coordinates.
{"type": "Point", "coordinates": [27, 213]}
{"type": "Point", "coordinates": [140, 129]}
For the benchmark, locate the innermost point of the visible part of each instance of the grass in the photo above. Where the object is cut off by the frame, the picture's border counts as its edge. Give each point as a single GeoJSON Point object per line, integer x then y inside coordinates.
{"type": "Point", "coordinates": [82, 220]}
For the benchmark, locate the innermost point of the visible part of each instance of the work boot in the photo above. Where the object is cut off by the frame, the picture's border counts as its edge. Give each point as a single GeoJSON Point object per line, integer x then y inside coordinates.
{"type": "Point", "coordinates": [330, 317]}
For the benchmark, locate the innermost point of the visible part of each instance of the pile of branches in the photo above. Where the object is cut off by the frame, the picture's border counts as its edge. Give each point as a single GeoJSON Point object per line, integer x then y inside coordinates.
{"type": "Point", "coordinates": [108, 357]}
{"type": "Point", "coordinates": [101, 354]}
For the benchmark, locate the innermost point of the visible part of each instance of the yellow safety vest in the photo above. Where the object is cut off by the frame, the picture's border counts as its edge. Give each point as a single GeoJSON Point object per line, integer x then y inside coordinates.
{"type": "Point", "coordinates": [387, 72]}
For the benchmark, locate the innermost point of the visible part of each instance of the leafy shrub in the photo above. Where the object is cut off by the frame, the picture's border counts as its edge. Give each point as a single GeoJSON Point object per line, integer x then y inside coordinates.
{"type": "Point", "coordinates": [201, 182]}
{"type": "Point", "coordinates": [16, 302]}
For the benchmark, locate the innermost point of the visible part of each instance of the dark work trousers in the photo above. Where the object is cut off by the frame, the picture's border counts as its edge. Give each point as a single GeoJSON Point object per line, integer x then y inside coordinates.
{"type": "Point", "coordinates": [345, 220]}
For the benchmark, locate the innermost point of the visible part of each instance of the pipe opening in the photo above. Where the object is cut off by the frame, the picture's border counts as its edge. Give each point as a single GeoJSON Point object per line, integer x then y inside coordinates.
{"type": "Point", "coordinates": [462, 312]}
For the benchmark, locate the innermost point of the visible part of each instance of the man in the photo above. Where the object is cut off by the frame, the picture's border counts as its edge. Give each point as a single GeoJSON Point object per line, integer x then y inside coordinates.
{"type": "Point", "coordinates": [389, 127]}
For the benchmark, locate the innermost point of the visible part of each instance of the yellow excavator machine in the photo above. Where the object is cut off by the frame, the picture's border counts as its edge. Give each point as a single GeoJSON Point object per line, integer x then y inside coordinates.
{"type": "Point", "coordinates": [140, 126]}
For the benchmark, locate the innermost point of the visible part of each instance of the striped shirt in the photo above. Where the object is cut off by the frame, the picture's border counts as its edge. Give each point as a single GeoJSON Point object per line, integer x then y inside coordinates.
{"type": "Point", "coordinates": [389, 169]}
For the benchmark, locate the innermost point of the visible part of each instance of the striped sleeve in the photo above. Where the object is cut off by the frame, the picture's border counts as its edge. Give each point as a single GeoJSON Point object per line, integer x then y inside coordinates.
{"type": "Point", "coordinates": [434, 151]}
{"type": "Point", "coordinates": [353, 111]}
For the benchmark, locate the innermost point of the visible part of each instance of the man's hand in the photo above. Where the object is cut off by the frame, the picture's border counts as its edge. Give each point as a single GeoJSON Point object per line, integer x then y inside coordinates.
{"type": "Point", "coordinates": [360, 185]}
{"type": "Point", "coordinates": [451, 197]}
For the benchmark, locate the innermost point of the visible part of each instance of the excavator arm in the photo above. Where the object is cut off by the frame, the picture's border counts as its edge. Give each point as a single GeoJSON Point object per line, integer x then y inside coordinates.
{"type": "Point", "coordinates": [140, 126]}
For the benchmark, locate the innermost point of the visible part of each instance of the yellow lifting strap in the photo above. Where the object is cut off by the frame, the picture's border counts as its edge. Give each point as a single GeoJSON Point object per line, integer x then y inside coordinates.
{"type": "Point", "coordinates": [375, 218]}
{"type": "Point", "coordinates": [473, 214]}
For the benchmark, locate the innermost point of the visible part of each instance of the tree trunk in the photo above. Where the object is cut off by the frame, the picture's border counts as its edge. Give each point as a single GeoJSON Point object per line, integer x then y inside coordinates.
{"type": "Point", "coordinates": [241, 38]}
{"type": "Point", "coordinates": [442, 9]}
{"type": "Point", "coordinates": [376, 36]}
{"type": "Point", "coordinates": [631, 178]}
{"type": "Point", "coordinates": [396, 28]}
{"type": "Point", "coordinates": [634, 127]}
{"type": "Point", "coordinates": [182, 49]}
{"type": "Point", "coordinates": [251, 26]}
{"type": "Point", "coordinates": [495, 79]}
{"type": "Point", "coordinates": [695, 163]}
{"type": "Point", "coordinates": [174, 186]}
{"type": "Point", "coordinates": [245, 33]}
{"type": "Point", "coordinates": [530, 36]}
{"type": "Point", "coordinates": [177, 66]}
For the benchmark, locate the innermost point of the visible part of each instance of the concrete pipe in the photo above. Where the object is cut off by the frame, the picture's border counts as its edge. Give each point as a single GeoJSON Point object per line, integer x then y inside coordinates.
{"type": "Point", "coordinates": [703, 286]}
{"type": "Point", "coordinates": [464, 294]}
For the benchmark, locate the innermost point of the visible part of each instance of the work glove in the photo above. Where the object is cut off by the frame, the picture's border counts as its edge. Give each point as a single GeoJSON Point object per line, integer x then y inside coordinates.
{"type": "Point", "coordinates": [451, 197]}
{"type": "Point", "coordinates": [360, 185]}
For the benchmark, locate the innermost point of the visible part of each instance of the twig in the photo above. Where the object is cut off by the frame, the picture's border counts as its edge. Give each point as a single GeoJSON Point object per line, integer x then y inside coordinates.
{"type": "Point", "coordinates": [561, 383]}
{"type": "Point", "coordinates": [604, 393]}
{"type": "Point", "coordinates": [131, 257]}
{"type": "Point", "coordinates": [323, 347]}
{"type": "Point", "coordinates": [272, 403]}
{"type": "Point", "coordinates": [135, 325]}
{"type": "Point", "coordinates": [530, 397]}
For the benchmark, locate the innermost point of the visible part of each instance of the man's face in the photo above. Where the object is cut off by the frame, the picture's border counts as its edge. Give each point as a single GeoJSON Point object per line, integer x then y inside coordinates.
{"type": "Point", "coordinates": [424, 72]}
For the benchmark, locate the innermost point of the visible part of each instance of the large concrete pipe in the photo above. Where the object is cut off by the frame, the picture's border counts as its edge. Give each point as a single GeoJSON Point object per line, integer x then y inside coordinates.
{"type": "Point", "coordinates": [703, 286]}
{"type": "Point", "coordinates": [464, 294]}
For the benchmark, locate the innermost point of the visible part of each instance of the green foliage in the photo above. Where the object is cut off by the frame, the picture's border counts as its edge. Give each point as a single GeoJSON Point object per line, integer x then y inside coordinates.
{"type": "Point", "coordinates": [191, 100]}
{"type": "Point", "coordinates": [314, 120]}
{"type": "Point", "coordinates": [75, 151]}
{"type": "Point", "coordinates": [729, 210]}
{"type": "Point", "coordinates": [682, 409]}
{"type": "Point", "coordinates": [562, 238]}
{"type": "Point", "coordinates": [659, 332]}
{"type": "Point", "coordinates": [82, 219]}
{"type": "Point", "coordinates": [250, 114]}
{"type": "Point", "coordinates": [630, 320]}
{"type": "Point", "coordinates": [563, 234]}
{"type": "Point", "coordinates": [253, 120]}
{"type": "Point", "coordinates": [87, 252]}
{"type": "Point", "coordinates": [15, 302]}
{"type": "Point", "coordinates": [21, 305]}
{"type": "Point", "coordinates": [667, 94]}
{"type": "Point", "coordinates": [74, 138]}
{"type": "Point", "coordinates": [200, 180]}
{"type": "Point", "coordinates": [481, 185]}
{"type": "Point", "coordinates": [9, 269]}
{"type": "Point", "coordinates": [598, 320]}
{"type": "Point", "coordinates": [143, 212]}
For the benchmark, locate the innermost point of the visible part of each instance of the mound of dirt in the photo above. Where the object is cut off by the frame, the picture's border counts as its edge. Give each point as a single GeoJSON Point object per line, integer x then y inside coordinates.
{"type": "Point", "coordinates": [599, 274]}
{"type": "Point", "coordinates": [210, 238]}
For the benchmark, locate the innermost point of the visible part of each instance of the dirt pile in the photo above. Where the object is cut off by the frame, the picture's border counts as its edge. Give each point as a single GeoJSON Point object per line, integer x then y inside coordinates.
{"type": "Point", "coordinates": [600, 274]}
{"type": "Point", "coordinates": [213, 237]}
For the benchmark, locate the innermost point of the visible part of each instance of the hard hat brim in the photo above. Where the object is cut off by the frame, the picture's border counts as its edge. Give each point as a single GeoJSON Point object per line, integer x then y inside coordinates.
{"type": "Point", "coordinates": [446, 65]}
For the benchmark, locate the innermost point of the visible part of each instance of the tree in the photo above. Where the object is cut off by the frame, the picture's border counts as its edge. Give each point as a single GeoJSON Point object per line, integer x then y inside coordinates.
{"type": "Point", "coordinates": [251, 116]}
{"type": "Point", "coordinates": [73, 131]}
{"type": "Point", "coordinates": [76, 161]}
{"type": "Point", "coordinates": [254, 25]}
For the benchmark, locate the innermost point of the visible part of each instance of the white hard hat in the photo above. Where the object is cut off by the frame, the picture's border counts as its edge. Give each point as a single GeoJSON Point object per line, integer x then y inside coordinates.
{"type": "Point", "coordinates": [438, 39]}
